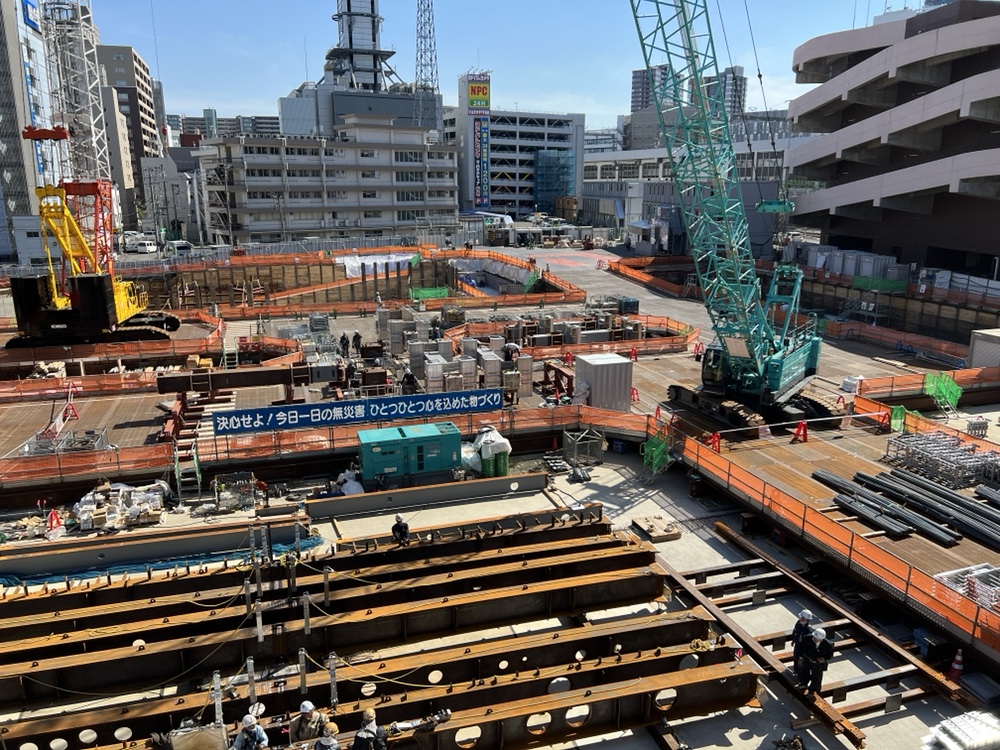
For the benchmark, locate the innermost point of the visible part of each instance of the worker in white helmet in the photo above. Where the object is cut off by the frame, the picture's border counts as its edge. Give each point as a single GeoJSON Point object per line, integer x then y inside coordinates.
{"type": "Point", "coordinates": [800, 634]}
{"type": "Point", "coordinates": [308, 725]}
{"type": "Point", "coordinates": [252, 735]}
{"type": "Point", "coordinates": [817, 652]}
{"type": "Point", "coordinates": [401, 531]}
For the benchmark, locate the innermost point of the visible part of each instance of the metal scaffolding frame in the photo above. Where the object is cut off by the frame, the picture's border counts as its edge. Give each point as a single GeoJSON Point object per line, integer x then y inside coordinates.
{"type": "Point", "coordinates": [943, 458]}
{"type": "Point", "coordinates": [71, 41]}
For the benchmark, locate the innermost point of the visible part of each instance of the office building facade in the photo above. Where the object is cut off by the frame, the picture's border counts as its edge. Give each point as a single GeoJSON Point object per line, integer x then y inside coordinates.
{"type": "Point", "coordinates": [374, 178]}
{"type": "Point", "coordinates": [24, 90]}
{"type": "Point", "coordinates": [505, 155]}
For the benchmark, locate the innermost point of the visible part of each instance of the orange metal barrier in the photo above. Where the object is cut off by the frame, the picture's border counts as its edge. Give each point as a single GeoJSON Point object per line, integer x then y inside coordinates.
{"type": "Point", "coordinates": [895, 385]}
{"type": "Point", "coordinates": [110, 463]}
{"type": "Point", "coordinates": [943, 605]}
{"type": "Point", "coordinates": [88, 385]}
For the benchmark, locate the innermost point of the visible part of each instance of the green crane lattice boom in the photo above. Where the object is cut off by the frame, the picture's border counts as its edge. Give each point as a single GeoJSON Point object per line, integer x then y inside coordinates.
{"type": "Point", "coordinates": [759, 357]}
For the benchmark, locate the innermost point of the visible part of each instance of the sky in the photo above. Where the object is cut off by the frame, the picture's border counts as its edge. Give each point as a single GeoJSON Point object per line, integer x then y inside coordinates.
{"type": "Point", "coordinates": [240, 56]}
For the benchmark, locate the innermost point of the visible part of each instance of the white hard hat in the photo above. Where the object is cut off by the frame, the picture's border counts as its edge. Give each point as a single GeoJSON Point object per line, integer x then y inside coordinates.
{"type": "Point", "coordinates": [805, 615]}
{"type": "Point", "coordinates": [249, 720]}
{"type": "Point", "coordinates": [399, 517]}
{"type": "Point", "coordinates": [307, 706]}
{"type": "Point", "coordinates": [819, 634]}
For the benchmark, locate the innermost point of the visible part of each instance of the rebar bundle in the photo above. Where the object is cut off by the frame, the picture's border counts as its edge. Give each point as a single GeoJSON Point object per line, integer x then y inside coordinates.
{"type": "Point", "coordinates": [943, 458]}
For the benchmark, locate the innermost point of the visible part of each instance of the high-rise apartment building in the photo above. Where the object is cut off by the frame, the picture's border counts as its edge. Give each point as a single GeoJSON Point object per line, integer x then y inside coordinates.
{"type": "Point", "coordinates": [123, 69]}
{"type": "Point", "coordinates": [24, 90]}
{"type": "Point", "coordinates": [642, 92]}
{"type": "Point", "coordinates": [734, 89]}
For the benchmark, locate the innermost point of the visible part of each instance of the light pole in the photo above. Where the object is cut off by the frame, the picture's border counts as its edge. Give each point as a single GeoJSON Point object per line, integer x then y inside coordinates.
{"type": "Point", "coordinates": [175, 227]}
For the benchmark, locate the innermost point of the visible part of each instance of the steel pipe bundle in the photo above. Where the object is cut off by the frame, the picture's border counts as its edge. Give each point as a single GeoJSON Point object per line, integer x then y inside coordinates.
{"type": "Point", "coordinates": [981, 530]}
{"type": "Point", "coordinates": [989, 494]}
{"type": "Point", "coordinates": [962, 501]}
{"type": "Point", "coordinates": [873, 516]}
{"type": "Point", "coordinates": [933, 531]}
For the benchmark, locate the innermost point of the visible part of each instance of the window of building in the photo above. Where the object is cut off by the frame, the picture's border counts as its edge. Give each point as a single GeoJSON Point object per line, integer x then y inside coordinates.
{"type": "Point", "coordinates": [369, 174]}
{"type": "Point", "coordinates": [409, 176]}
{"type": "Point", "coordinates": [336, 174]}
{"type": "Point", "coordinates": [372, 214]}
{"type": "Point", "coordinates": [628, 171]}
{"type": "Point", "coordinates": [409, 196]}
{"type": "Point", "coordinates": [650, 171]}
{"type": "Point", "coordinates": [443, 212]}
{"type": "Point", "coordinates": [118, 56]}
{"type": "Point", "coordinates": [409, 157]}
{"type": "Point", "coordinates": [368, 194]}
{"type": "Point", "coordinates": [440, 155]}
{"type": "Point", "coordinates": [440, 193]}
{"type": "Point", "coordinates": [607, 171]}
{"type": "Point", "coordinates": [368, 153]}
{"type": "Point", "coordinates": [590, 172]}
{"type": "Point", "coordinates": [438, 175]}
{"type": "Point", "coordinates": [409, 215]}
{"type": "Point", "coordinates": [335, 152]}
{"type": "Point", "coordinates": [337, 195]}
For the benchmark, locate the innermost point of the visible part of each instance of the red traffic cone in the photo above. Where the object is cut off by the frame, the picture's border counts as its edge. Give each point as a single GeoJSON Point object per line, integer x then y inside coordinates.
{"type": "Point", "coordinates": [955, 673]}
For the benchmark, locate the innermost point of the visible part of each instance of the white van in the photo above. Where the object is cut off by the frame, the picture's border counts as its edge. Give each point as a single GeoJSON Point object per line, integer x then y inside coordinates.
{"type": "Point", "coordinates": [180, 248]}
{"type": "Point", "coordinates": [141, 246]}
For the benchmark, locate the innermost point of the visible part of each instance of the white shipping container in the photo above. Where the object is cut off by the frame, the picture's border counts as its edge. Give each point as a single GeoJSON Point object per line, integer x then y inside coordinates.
{"type": "Point", "coordinates": [610, 379]}
{"type": "Point", "coordinates": [984, 348]}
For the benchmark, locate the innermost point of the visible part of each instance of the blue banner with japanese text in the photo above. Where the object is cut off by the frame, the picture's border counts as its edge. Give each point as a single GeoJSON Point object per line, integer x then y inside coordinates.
{"type": "Point", "coordinates": [333, 414]}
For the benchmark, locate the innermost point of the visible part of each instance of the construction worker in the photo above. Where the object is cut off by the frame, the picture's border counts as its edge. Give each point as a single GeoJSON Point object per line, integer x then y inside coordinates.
{"type": "Point", "coordinates": [401, 531]}
{"type": "Point", "coordinates": [328, 740]}
{"type": "Point", "coordinates": [308, 725]}
{"type": "Point", "coordinates": [356, 342]}
{"type": "Point", "coordinates": [409, 382]}
{"type": "Point", "coordinates": [252, 736]}
{"type": "Point", "coordinates": [800, 634]}
{"type": "Point", "coordinates": [378, 301]}
{"type": "Point", "coordinates": [370, 736]}
{"type": "Point", "coordinates": [511, 351]}
{"type": "Point", "coordinates": [345, 345]}
{"type": "Point", "coordinates": [350, 372]}
{"type": "Point", "coordinates": [817, 653]}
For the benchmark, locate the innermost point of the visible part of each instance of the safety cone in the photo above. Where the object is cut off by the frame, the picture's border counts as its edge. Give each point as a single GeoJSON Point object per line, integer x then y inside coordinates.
{"type": "Point", "coordinates": [555, 443]}
{"type": "Point", "coordinates": [955, 673]}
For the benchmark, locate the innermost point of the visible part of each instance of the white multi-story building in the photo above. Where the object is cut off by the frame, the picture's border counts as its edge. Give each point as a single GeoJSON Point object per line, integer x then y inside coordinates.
{"type": "Point", "coordinates": [510, 161]}
{"type": "Point", "coordinates": [24, 90]}
{"type": "Point", "coordinates": [909, 159]}
{"type": "Point", "coordinates": [371, 178]}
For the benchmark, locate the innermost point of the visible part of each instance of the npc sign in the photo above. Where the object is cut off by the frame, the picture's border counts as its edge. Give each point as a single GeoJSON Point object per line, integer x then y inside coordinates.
{"type": "Point", "coordinates": [333, 414]}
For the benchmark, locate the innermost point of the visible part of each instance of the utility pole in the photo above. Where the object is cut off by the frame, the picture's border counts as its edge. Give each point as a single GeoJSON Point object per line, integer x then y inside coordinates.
{"type": "Point", "coordinates": [278, 201]}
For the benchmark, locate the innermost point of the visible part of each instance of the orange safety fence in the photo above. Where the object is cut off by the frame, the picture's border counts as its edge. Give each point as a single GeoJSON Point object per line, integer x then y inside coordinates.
{"type": "Point", "coordinates": [891, 386]}
{"type": "Point", "coordinates": [108, 463]}
{"type": "Point", "coordinates": [880, 566]}
{"type": "Point", "coordinates": [894, 338]}
{"type": "Point", "coordinates": [87, 385]}
{"type": "Point", "coordinates": [469, 290]}
{"type": "Point", "coordinates": [865, 405]}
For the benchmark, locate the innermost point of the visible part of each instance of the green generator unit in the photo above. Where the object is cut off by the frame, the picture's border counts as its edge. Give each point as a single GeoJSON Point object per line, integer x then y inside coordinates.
{"type": "Point", "coordinates": [401, 454]}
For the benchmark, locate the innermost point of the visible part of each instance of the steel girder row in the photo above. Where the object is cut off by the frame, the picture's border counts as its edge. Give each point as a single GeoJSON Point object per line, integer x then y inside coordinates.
{"type": "Point", "coordinates": [587, 680]}
{"type": "Point", "coordinates": [363, 613]}
{"type": "Point", "coordinates": [763, 578]}
{"type": "Point", "coordinates": [491, 533]}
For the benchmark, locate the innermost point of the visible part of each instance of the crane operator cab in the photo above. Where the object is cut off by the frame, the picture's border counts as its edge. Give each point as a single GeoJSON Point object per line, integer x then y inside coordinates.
{"type": "Point", "coordinates": [713, 376]}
